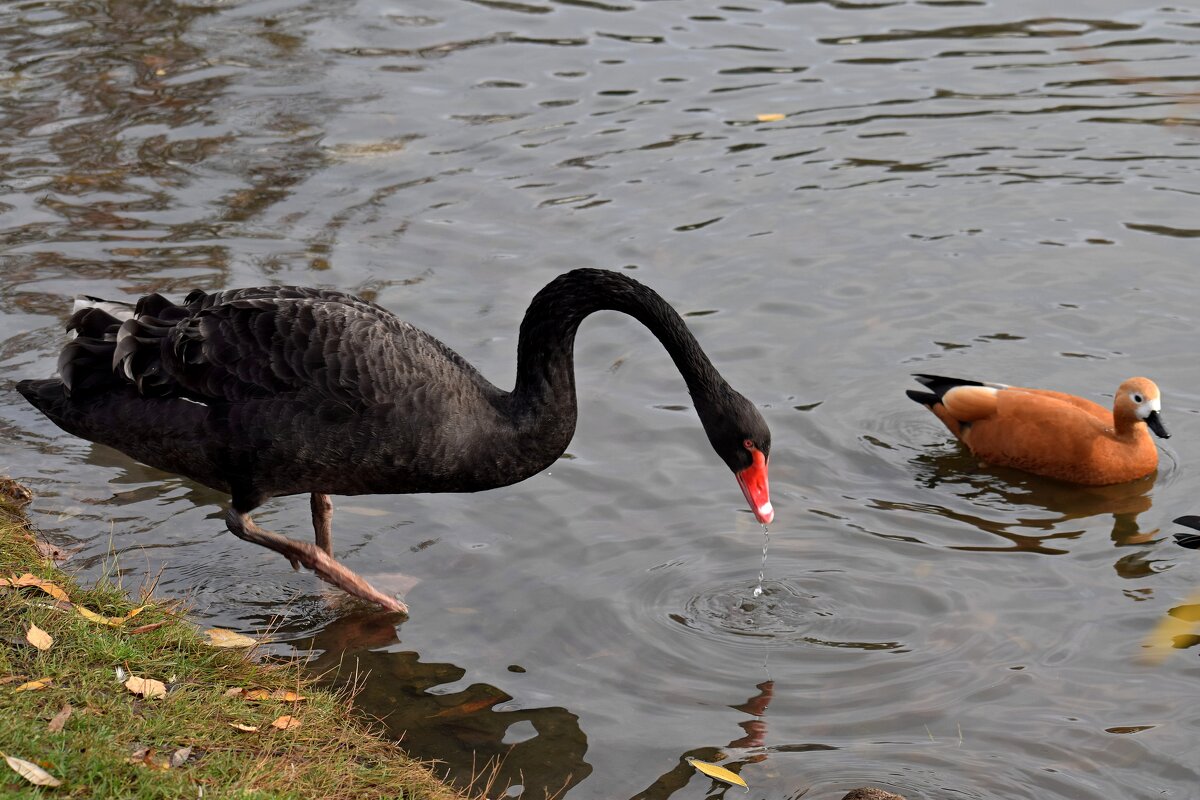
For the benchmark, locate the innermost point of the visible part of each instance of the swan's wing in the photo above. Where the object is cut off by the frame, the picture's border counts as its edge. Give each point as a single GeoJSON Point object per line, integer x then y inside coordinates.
{"type": "Point", "coordinates": [247, 344]}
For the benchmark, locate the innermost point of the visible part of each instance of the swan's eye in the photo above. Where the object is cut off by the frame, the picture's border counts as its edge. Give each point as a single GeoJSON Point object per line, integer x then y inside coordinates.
{"type": "Point", "coordinates": [1137, 398]}
{"type": "Point", "coordinates": [748, 444]}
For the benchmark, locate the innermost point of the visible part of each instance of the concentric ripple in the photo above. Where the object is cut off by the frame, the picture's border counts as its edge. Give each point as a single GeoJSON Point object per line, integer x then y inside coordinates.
{"type": "Point", "coordinates": [782, 611]}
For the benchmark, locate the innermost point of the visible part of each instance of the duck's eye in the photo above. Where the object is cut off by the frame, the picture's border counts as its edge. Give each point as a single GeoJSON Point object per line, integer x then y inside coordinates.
{"type": "Point", "coordinates": [1137, 398]}
{"type": "Point", "coordinates": [748, 444]}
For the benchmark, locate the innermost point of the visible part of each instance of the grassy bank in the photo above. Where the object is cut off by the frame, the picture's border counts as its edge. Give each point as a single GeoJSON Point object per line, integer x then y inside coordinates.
{"type": "Point", "coordinates": [87, 728]}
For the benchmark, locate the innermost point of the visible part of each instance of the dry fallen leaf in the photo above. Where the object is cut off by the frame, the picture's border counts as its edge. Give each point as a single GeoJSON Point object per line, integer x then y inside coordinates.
{"type": "Point", "coordinates": [146, 687]}
{"type": "Point", "coordinates": [148, 628]}
{"type": "Point", "coordinates": [286, 722]}
{"type": "Point", "coordinates": [717, 772]}
{"type": "Point", "coordinates": [180, 756]}
{"type": "Point", "coordinates": [88, 614]}
{"type": "Point", "coordinates": [244, 728]}
{"type": "Point", "coordinates": [29, 579]}
{"type": "Point", "coordinates": [286, 695]}
{"type": "Point", "coordinates": [219, 637]}
{"type": "Point", "coordinates": [11, 679]}
{"type": "Point", "coordinates": [31, 772]}
{"type": "Point", "coordinates": [32, 686]}
{"type": "Point", "coordinates": [60, 719]}
{"type": "Point", "coordinates": [768, 118]}
{"type": "Point", "coordinates": [144, 756]}
{"type": "Point", "coordinates": [39, 638]}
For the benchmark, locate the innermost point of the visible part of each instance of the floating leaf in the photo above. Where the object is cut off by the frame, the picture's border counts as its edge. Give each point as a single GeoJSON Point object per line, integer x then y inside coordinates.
{"type": "Point", "coordinates": [717, 772]}
{"type": "Point", "coordinates": [219, 637]}
{"type": "Point", "coordinates": [766, 118]}
{"type": "Point", "coordinates": [286, 722]}
{"type": "Point", "coordinates": [1177, 622]}
{"type": "Point", "coordinates": [33, 686]}
{"type": "Point", "coordinates": [146, 687]}
{"type": "Point", "coordinates": [31, 772]}
{"type": "Point", "coordinates": [60, 719]}
{"type": "Point", "coordinates": [39, 638]}
{"type": "Point", "coordinates": [244, 728]}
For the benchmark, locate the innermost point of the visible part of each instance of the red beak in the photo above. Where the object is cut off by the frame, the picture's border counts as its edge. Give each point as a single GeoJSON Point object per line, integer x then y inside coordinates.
{"type": "Point", "coordinates": [753, 480]}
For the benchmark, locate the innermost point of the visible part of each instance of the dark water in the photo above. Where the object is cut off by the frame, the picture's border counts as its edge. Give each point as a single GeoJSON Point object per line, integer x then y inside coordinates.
{"type": "Point", "coordinates": [986, 189]}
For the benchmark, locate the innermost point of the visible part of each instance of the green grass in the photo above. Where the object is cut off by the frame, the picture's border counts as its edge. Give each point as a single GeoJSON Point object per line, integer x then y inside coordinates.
{"type": "Point", "coordinates": [333, 754]}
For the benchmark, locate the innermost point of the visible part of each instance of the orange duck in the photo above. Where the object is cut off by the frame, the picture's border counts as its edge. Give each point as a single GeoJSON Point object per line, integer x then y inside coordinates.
{"type": "Point", "coordinates": [1051, 433]}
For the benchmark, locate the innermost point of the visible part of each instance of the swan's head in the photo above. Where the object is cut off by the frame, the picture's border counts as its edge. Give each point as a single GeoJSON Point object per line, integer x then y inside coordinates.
{"type": "Point", "coordinates": [742, 439]}
{"type": "Point", "coordinates": [1139, 398]}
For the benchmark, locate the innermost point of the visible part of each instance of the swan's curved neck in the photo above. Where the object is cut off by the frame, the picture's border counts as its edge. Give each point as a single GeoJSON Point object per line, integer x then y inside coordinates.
{"type": "Point", "coordinates": [544, 395]}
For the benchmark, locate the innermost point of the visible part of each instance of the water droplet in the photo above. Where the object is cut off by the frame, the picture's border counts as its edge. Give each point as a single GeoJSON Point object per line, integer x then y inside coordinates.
{"type": "Point", "coordinates": [762, 570]}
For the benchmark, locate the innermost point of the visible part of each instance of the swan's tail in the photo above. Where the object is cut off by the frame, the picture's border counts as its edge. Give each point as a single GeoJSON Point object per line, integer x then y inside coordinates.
{"type": "Point", "coordinates": [115, 344]}
{"type": "Point", "coordinates": [114, 308]}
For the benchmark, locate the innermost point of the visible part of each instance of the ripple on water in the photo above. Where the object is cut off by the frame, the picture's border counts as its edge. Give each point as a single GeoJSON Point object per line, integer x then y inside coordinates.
{"type": "Point", "coordinates": [795, 610]}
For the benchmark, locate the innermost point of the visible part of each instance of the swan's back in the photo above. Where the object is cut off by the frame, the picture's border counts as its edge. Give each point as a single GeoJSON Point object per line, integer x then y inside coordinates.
{"type": "Point", "coordinates": [269, 391]}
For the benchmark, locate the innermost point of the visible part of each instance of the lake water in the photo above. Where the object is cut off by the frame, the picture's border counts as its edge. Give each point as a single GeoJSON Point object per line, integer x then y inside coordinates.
{"type": "Point", "coordinates": [990, 190]}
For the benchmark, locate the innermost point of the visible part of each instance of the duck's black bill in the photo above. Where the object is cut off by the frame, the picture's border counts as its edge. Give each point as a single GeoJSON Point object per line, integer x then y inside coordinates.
{"type": "Point", "coordinates": [1155, 423]}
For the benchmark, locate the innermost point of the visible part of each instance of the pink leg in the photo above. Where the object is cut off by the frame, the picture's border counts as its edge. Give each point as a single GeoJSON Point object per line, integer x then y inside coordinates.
{"type": "Point", "coordinates": [311, 556]}
{"type": "Point", "coordinates": [322, 514]}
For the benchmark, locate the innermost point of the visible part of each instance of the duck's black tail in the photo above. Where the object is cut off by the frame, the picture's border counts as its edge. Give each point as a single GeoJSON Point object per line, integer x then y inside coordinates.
{"type": "Point", "coordinates": [939, 385]}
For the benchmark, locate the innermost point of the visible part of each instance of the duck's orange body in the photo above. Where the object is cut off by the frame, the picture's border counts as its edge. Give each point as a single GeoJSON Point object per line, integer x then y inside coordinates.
{"type": "Point", "coordinates": [1051, 433]}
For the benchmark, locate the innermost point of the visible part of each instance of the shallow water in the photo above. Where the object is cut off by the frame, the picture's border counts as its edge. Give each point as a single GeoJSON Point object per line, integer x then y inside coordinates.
{"type": "Point", "coordinates": [970, 188]}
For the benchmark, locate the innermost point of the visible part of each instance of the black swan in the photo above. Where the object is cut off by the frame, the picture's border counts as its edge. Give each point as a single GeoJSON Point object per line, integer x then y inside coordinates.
{"type": "Point", "coordinates": [284, 390]}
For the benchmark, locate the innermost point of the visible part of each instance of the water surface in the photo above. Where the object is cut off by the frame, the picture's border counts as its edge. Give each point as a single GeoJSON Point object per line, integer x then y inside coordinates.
{"type": "Point", "coordinates": [983, 189]}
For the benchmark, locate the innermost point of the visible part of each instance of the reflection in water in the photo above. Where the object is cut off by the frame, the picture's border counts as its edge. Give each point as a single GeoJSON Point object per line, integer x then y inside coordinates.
{"type": "Point", "coordinates": [1004, 488]}
{"type": "Point", "coordinates": [755, 738]}
{"type": "Point", "coordinates": [478, 744]}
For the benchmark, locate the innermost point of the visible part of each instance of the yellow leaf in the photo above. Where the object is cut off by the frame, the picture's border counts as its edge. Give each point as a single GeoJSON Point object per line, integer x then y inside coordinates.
{"type": "Point", "coordinates": [286, 722]}
{"type": "Point", "coordinates": [244, 728]}
{"type": "Point", "coordinates": [286, 695]}
{"type": "Point", "coordinates": [1162, 639]}
{"type": "Point", "coordinates": [88, 614]}
{"type": "Point", "coordinates": [219, 637]}
{"type": "Point", "coordinates": [39, 638]}
{"type": "Point", "coordinates": [113, 622]}
{"type": "Point", "coordinates": [146, 687]}
{"type": "Point", "coordinates": [717, 772]}
{"type": "Point", "coordinates": [767, 118]}
{"type": "Point", "coordinates": [31, 772]}
{"type": "Point", "coordinates": [32, 686]}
